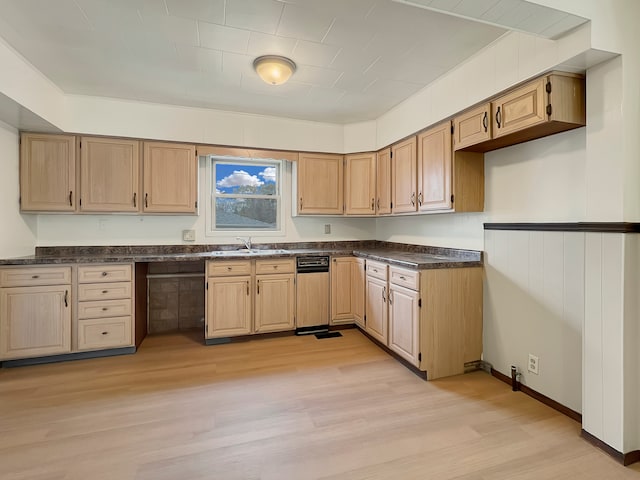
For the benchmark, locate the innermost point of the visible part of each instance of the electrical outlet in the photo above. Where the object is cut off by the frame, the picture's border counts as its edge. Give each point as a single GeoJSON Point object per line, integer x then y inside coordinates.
{"type": "Point", "coordinates": [534, 363]}
{"type": "Point", "coordinates": [189, 235]}
{"type": "Point", "coordinates": [327, 228]}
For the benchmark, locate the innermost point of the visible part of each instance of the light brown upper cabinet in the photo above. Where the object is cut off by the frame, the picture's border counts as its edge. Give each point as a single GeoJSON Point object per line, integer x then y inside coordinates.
{"type": "Point", "coordinates": [520, 108]}
{"type": "Point", "coordinates": [320, 184]}
{"type": "Point", "coordinates": [404, 176]}
{"type": "Point", "coordinates": [360, 184]}
{"type": "Point", "coordinates": [383, 182]}
{"type": "Point", "coordinates": [47, 173]}
{"type": "Point", "coordinates": [109, 175]}
{"type": "Point", "coordinates": [472, 127]}
{"type": "Point", "coordinates": [434, 168]}
{"type": "Point", "coordinates": [170, 172]}
{"type": "Point", "coordinates": [549, 104]}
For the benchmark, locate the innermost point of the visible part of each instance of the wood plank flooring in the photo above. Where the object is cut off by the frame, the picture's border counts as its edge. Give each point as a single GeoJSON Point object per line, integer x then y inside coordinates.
{"type": "Point", "coordinates": [279, 408]}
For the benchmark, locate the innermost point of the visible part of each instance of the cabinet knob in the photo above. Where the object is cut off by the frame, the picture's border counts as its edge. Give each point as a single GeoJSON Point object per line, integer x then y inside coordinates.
{"type": "Point", "coordinates": [104, 292]}
{"type": "Point", "coordinates": [35, 276]}
{"type": "Point", "coordinates": [104, 309]}
{"type": "Point", "coordinates": [104, 274]}
{"type": "Point", "coordinates": [105, 333]}
{"type": "Point", "coordinates": [402, 278]}
{"type": "Point", "coordinates": [275, 267]}
{"type": "Point", "coordinates": [229, 268]}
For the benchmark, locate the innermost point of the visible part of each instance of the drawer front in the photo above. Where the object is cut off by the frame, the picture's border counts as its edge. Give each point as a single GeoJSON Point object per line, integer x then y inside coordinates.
{"type": "Point", "coordinates": [33, 276]}
{"type": "Point", "coordinates": [404, 278]}
{"type": "Point", "coordinates": [103, 291]}
{"type": "Point", "coordinates": [104, 308]}
{"type": "Point", "coordinates": [104, 273]}
{"type": "Point", "coordinates": [104, 333]}
{"type": "Point", "coordinates": [220, 269]}
{"type": "Point", "coordinates": [282, 265]}
{"type": "Point", "coordinates": [377, 269]}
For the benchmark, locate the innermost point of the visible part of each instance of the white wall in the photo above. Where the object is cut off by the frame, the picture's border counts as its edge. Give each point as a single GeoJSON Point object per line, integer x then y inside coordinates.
{"type": "Point", "coordinates": [534, 303]}
{"type": "Point", "coordinates": [17, 232]}
{"type": "Point", "coordinates": [104, 116]}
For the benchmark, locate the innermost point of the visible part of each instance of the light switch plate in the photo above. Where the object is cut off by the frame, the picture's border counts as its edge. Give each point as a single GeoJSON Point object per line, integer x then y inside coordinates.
{"type": "Point", "coordinates": [189, 235]}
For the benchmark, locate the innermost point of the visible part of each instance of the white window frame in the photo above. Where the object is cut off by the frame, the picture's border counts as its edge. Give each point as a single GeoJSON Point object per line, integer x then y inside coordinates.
{"type": "Point", "coordinates": [211, 230]}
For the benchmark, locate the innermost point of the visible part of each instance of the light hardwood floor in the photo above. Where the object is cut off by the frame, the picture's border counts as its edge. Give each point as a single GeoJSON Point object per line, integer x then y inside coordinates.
{"type": "Point", "coordinates": [281, 408]}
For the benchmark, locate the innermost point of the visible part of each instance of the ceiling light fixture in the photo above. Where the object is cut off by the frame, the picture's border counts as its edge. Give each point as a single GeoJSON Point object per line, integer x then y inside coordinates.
{"type": "Point", "coordinates": [274, 69]}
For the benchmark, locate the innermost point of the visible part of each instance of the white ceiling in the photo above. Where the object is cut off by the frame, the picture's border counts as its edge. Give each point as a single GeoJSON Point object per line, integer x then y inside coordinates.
{"type": "Point", "coordinates": [356, 58]}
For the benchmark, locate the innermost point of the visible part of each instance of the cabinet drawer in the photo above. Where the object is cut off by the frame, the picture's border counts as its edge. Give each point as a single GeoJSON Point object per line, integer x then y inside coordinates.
{"type": "Point", "coordinates": [377, 269]}
{"type": "Point", "coordinates": [404, 278]}
{"type": "Point", "coordinates": [281, 265]}
{"type": "Point", "coordinates": [220, 269]}
{"type": "Point", "coordinates": [104, 291]}
{"type": "Point", "coordinates": [104, 308]}
{"type": "Point", "coordinates": [104, 273]}
{"type": "Point", "coordinates": [104, 333]}
{"type": "Point", "coordinates": [33, 276]}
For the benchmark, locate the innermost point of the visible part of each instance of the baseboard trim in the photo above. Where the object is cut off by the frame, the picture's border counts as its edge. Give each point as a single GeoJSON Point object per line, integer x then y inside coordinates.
{"type": "Point", "coordinates": [623, 458]}
{"type": "Point", "coordinates": [24, 362]}
{"type": "Point", "coordinates": [540, 397]}
{"type": "Point", "coordinates": [247, 338]}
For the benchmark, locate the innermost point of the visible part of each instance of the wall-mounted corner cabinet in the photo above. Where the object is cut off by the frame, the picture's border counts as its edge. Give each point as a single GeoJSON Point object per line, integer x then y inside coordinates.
{"type": "Point", "coordinates": [383, 182]}
{"type": "Point", "coordinates": [549, 104]}
{"type": "Point", "coordinates": [404, 176]}
{"type": "Point", "coordinates": [320, 184]}
{"type": "Point", "coordinates": [47, 173]}
{"type": "Point", "coordinates": [170, 172]}
{"type": "Point", "coordinates": [109, 175]}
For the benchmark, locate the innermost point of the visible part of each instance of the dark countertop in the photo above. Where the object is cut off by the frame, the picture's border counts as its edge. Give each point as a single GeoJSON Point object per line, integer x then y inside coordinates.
{"type": "Point", "coordinates": [408, 256]}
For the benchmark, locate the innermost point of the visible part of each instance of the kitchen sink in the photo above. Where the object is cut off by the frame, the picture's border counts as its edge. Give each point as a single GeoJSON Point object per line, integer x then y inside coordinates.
{"type": "Point", "coordinates": [245, 251]}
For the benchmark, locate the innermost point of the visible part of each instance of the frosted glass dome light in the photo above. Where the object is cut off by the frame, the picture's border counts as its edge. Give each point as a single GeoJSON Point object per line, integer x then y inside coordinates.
{"type": "Point", "coordinates": [274, 69]}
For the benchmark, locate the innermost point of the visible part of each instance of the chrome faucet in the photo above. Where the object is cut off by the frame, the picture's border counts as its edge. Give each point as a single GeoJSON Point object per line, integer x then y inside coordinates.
{"type": "Point", "coordinates": [246, 241]}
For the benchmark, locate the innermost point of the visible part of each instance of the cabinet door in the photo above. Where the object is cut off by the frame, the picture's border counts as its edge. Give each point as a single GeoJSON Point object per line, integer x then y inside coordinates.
{"type": "Point", "coordinates": [228, 306]}
{"type": "Point", "coordinates": [341, 291]}
{"type": "Point", "coordinates": [472, 127]}
{"type": "Point", "coordinates": [521, 108]}
{"type": "Point", "coordinates": [35, 321]}
{"type": "Point", "coordinates": [383, 182]}
{"type": "Point", "coordinates": [360, 184]}
{"type": "Point", "coordinates": [403, 323]}
{"type": "Point", "coordinates": [275, 296]}
{"type": "Point", "coordinates": [376, 324]}
{"type": "Point", "coordinates": [312, 299]}
{"type": "Point", "coordinates": [109, 172]}
{"type": "Point", "coordinates": [47, 173]}
{"type": "Point", "coordinates": [434, 168]}
{"type": "Point", "coordinates": [358, 290]}
{"type": "Point", "coordinates": [170, 174]}
{"type": "Point", "coordinates": [320, 187]}
{"type": "Point", "coordinates": [404, 177]}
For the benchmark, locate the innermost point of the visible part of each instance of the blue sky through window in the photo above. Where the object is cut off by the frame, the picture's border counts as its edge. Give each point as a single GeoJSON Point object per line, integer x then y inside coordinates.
{"type": "Point", "coordinates": [231, 177]}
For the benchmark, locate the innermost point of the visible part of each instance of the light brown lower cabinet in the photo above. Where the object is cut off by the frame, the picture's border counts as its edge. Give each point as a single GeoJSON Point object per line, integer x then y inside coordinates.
{"type": "Point", "coordinates": [275, 297]}
{"type": "Point", "coordinates": [35, 312]}
{"type": "Point", "coordinates": [243, 300]}
{"type": "Point", "coordinates": [358, 280]}
{"type": "Point", "coordinates": [376, 322]}
{"type": "Point", "coordinates": [404, 319]}
{"type": "Point", "coordinates": [105, 309]}
{"type": "Point", "coordinates": [228, 306]}
{"type": "Point", "coordinates": [430, 318]}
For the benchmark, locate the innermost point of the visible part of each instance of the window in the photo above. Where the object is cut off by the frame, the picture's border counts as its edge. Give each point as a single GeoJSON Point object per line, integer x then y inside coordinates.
{"type": "Point", "coordinates": [245, 195]}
